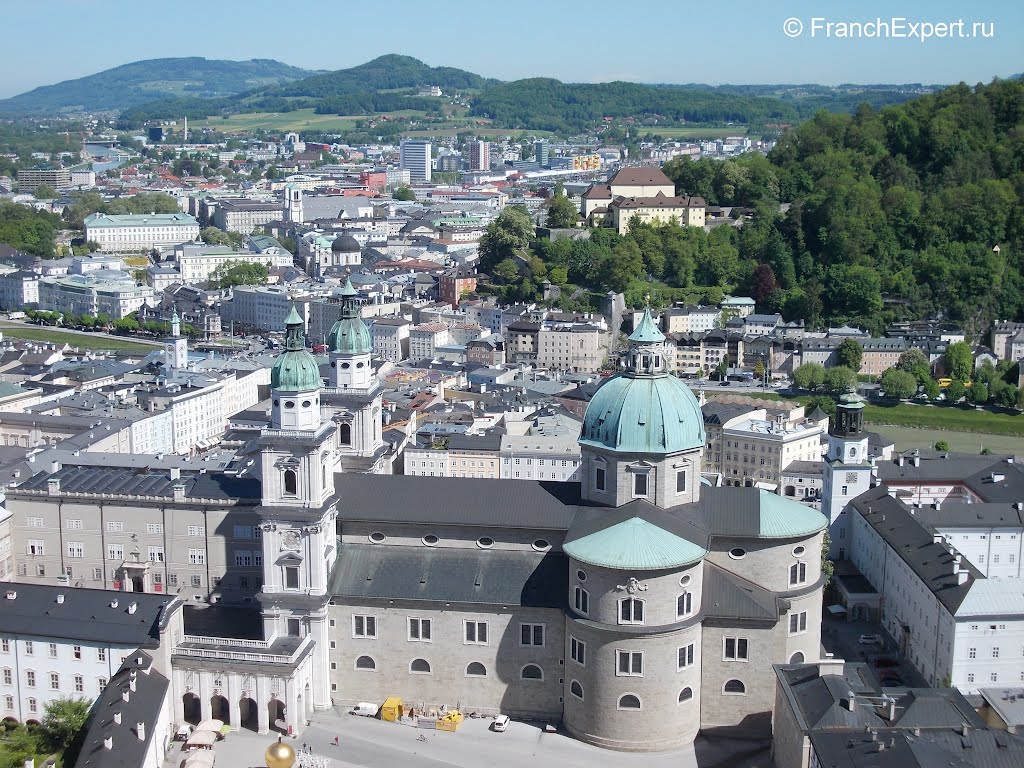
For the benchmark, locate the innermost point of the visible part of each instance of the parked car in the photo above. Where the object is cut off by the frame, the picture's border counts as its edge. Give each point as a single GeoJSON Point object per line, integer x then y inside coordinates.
{"type": "Point", "coordinates": [874, 639]}
{"type": "Point", "coordinates": [365, 709]}
{"type": "Point", "coordinates": [500, 723]}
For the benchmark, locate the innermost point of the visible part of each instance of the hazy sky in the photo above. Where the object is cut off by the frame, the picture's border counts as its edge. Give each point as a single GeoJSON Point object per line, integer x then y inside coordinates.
{"type": "Point", "coordinates": [678, 41]}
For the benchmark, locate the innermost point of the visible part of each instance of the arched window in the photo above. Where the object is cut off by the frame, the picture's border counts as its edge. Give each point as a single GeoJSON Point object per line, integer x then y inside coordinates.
{"type": "Point", "coordinates": [422, 666]}
{"type": "Point", "coordinates": [365, 662]}
{"type": "Point", "coordinates": [576, 690]}
{"type": "Point", "coordinates": [797, 658]}
{"type": "Point", "coordinates": [476, 669]}
{"type": "Point", "coordinates": [532, 672]}
{"type": "Point", "coordinates": [629, 701]}
{"type": "Point", "coordinates": [345, 434]}
{"type": "Point", "coordinates": [797, 573]}
{"type": "Point", "coordinates": [685, 695]}
{"type": "Point", "coordinates": [735, 687]}
{"type": "Point", "coordinates": [291, 482]}
{"type": "Point", "coordinates": [684, 604]}
{"type": "Point", "coordinates": [631, 611]}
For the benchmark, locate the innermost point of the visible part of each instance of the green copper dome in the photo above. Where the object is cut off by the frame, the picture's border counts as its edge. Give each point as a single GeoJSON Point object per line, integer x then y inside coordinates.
{"type": "Point", "coordinates": [350, 336]}
{"type": "Point", "coordinates": [644, 409]}
{"type": "Point", "coordinates": [295, 369]}
{"type": "Point", "coordinates": [634, 545]}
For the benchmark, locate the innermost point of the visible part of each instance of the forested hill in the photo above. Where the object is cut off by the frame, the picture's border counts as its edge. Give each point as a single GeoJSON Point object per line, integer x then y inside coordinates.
{"type": "Point", "coordinates": [909, 211]}
{"type": "Point", "coordinates": [143, 81]}
{"type": "Point", "coordinates": [546, 104]}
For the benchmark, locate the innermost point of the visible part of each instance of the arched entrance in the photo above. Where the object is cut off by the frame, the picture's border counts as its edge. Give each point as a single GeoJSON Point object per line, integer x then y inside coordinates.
{"type": "Point", "coordinates": [797, 658]}
{"type": "Point", "coordinates": [275, 708]}
{"type": "Point", "coordinates": [190, 708]}
{"type": "Point", "coordinates": [248, 714]}
{"type": "Point", "coordinates": [219, 708]}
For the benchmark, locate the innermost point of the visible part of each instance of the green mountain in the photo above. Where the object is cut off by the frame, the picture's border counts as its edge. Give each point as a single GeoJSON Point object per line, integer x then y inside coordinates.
{"type": "Point", "coordinates": [144, 81]}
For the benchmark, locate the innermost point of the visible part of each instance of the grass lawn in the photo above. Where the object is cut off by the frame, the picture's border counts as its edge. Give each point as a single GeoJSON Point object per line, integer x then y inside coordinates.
{"type": "Point", "coordinates": [691, 131]}
{"type": "Point", "coordinates": [82, 340]}
{"type": "Point", "coordinates": [954, 419]}
{"type": "Point", "coordinates": [300, 119]}
{"type": "Point", "coordinates": [960, 442]}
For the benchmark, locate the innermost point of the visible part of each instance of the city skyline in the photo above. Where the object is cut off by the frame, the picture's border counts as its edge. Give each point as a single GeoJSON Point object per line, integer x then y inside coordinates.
{"type": "Point", "coordinates": [540, 40]}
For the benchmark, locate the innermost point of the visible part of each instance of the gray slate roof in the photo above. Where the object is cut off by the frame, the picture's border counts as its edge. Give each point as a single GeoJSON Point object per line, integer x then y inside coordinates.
{"type": "Point", "coordinates": [452, 575]}
{"type": "Point", "coordinates": [127, 482]}
{"type": "Point", "coordinates": [727, 596]}
{"type": "Point", "coordinates": [85, 614]}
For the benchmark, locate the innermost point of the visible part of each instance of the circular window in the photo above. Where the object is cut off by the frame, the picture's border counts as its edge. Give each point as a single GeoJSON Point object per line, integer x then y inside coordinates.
{"type": "Point", "coordinates": [334, 363]}
{"type": "Point", "coordinates": [430, 540]}
{"type": "Point", "coordinates": [289, 403]}
{"type": "Point", "coordinates": [684, 580]}
{"type": "Point", "coordinates": [797, 551]}
{"type": "Point", "coordinates": [346, 366]}
{"type": "Point", "coordinates": [485, 542]}
{"type": "Point", "coordinates": [737, 553]}
{"type": "Point", "coordinates": [542, 545]}
{"type": "Point", "coordinates": [359, 365]}
{"type": "Point", "coordinates": [306, 403]}
{"type": "Point", "coordinates": [581, 575]}
{"type": "Point", "coordinates": [277, 402]}
{"type": "Point", "coordinates": [377, 537]}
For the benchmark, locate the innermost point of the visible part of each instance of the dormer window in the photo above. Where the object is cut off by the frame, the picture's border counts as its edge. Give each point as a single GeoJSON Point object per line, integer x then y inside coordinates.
{"type": "Point", "coordinates": [640, 484]}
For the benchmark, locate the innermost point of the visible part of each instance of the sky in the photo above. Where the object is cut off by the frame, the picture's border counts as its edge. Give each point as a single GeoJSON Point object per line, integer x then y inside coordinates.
{"type": "Point", "coordinates": [654, 41]}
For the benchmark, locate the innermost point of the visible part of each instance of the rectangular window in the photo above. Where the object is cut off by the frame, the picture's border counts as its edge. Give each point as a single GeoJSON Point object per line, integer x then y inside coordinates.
{"type": "Point", "coordinates": [364, 626]}
{"type": "Point", "coordinates": [8, 676]}
{"type": "Point", "coordinates": [30, 678]}
{"type": "Point", "coordinates": [475, 632]}
{"type": "Point", "coordinates": [76, 651]}
{"type": "Point", "coordinates": [35, 547]}
{"type": "Point", "coordinates": [115, 526]}
{"type": "Point", "coordinates": [243, 559]}
{"type": "Point", "coordinates": [54, 681]}
{"type": "Point", "coordinates": [197, 580]}
{"type": "Point", "coordinates": [629, 663]}
{"type": "Point", "coordinates": [154, 529]}
{"type": "Point", "coordinates": [681, 481]}
{"type": "Point", "coordinates": [735, 649]}
{"type": "Point", "coordinates": [197, 530]}
{"type": "Point", "coordinates": [995, 652]}
{"type": "Point", "coordinates": [76, 549]}
{"type": "Point", "coordinates": [243, 531]}
{"type": "Point", "coordinates": [631, 611]}
{"type": "Point", "coordinates": [581, 600]}
{"type": "Point", "coordinates": [34, 522]}
{"type": "Point", "coordinates": [797, 573]}
{"type": "Point", "coordinates": [9, 702]}
{"type": "Point", "coordinates": [684, 604]}
{"type": "Point", "coordinates": [79, 684]}
{"type": "Point", "coordinates": [294, 628]}
{"type": "Point", "coordinates": [291, 577]}
{"type": "Point", "coordinates": [97, 574]}
{"type": "Point", "coordinates": [685, 656]}
{"type": "Point", "coordinates": [172, 579]}
{"type": "Point", "coordinates": [419, 630]}
{"type": "Point", "coordinates": [197, 556]}
{"type": "Point", "coordinates": [101, 654]}
{"type": "Point", "coordinates": [640, 484]}
{"type": "Point", "coordinates": [29, 648]}
{"type": "Point", "coordinates": [33, 706]}
{"type": "Point", "coordinates": [531, 634]}
{"type": "Point", "coordinates": [5, 645]}
{"type": "Point", "coordinates": [797, 623]}
{"type": "Point", "coordinates": [156, 554]}
{"type": "Point", "coordinates": [578, 651]}
{"type": "Point", "coordinates": [115, 551]}
{"type": "Point", "coordinates": [599, 477]}
{"type": "Point", "coordinates": [74, 525]}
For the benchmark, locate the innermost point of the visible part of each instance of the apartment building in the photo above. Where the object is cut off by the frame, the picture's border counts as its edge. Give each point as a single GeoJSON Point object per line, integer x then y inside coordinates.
{"type": "Point", "coordinates": [197, 261]}
{"type": "Point", "coordinates": [391, 338]}
{"type": "Point", "coordinates": [425, 338]}
{"type": "Point", "coordinates": [19, 289]}
{"type": "Point", "coordinates": [31, 179]}
{"type": "Point", "coordinates": [415, 157]}
{"type": "Point", "coordinates": [140, 231]}
{"type": "Point", "coordinates": [572, 347]}
{"type": "Point", "coordinates": [246, 216]}
{"type": "Point", "coordinates": [540, 457]}
{"type": "Point", "coordinates": [756, 449]}
{"type": "Point", "coordinates": [106, 291]}
{"type": "Point", "coordinates": [260, 306]}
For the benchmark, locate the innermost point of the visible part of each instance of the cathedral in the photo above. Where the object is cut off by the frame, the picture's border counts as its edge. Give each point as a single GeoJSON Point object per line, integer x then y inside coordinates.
{"type": "Point", "coordinates": [635, 607]}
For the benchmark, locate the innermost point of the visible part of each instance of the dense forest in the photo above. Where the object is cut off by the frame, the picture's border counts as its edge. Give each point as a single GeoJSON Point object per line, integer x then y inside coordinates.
{"type": "Point", "coordinates": [913, 211]}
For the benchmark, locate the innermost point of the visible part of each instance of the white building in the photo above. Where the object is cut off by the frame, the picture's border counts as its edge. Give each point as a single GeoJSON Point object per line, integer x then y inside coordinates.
{"type": "Point", "coordinates": [197, 262]}
{"type": "Point", "coordinates": [106, 291]}
{"type": "Point", "coordinates": [540, 457]}
{"type": "Point", "coordinates": [140, 231]}
{"type": "Point", "coordinates": [259, 306]}
{"type": "Point", "coordinates": [755, 449]}
{"type": "Point", "coordinates": [391, 338]}
{"type": "Point", "coordinates": [18, 290]}
{"type": "Point", "coordinates": [414, 157]}
{"type": "Point", "coordinates": [425, 338]}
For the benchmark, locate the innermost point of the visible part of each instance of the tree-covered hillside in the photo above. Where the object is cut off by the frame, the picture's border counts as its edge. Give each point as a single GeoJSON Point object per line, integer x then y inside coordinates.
{"type": "Point", "coordinates": [144, 81]}
{"type": "Point", "coordinates": [546, 104]}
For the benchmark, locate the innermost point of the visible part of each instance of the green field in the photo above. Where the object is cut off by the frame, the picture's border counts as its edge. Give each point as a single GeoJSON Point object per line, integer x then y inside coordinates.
{"type": "Point", "coordinates": [80, 340]}
{"type": "Point", "coordinates": [300, 119]}
{"type": "Point", "coordinates": [690, 131]}
{"type": "Point", "coordinates": [954, 419]}
{"type": "Point", "coordinates": [960, 442]}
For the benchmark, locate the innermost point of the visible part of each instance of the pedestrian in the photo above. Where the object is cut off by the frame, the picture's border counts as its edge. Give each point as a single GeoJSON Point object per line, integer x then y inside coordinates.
{"type": "Point", "coordinates": [335, 741]}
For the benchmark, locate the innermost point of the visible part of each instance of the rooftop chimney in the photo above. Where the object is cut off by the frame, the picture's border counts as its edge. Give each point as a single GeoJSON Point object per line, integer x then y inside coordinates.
{"type": "Point", "coordinates": [53, 486]}
{"type": "Point", "coordinates": [108, 742]}
{"type": "Point", "coordinates": [140, 730]}
{"type": "Point", "coordinates": [60, 599]}
{"type": "Point", "coordinates": [175, 473]}
{"type": "Point", "coordinates": [179, 491]}
{"type": "Point", "coordinates": [117, 718]}
{"type": "Point", "coordinates": [113, 603]}
{"type": "Point", "coordinates": [961, 577]}
{"type": "Point", "coordinates": [133, 608]}
{"type": "Point", "coordinates": [11, 595]}
{"type": "Point", "coordinates": [126, 696]}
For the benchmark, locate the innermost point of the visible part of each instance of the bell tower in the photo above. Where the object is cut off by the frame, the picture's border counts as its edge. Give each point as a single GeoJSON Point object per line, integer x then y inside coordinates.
{"type": "Point", "coordinates": [847, 470]}
{"type": "Point", "coordinates": [176, 346]}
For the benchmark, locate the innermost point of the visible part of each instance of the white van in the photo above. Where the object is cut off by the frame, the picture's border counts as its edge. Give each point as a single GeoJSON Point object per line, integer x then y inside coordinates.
{"type": "Point", "coordinates": [500, 723]}
{"type": "Point", "coordinates": [365, 709]}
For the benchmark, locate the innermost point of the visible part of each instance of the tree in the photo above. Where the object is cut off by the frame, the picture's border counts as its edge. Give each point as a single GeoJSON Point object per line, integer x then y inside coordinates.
{"type": "Point", "coordinates": [959, 361]}
{"type": "Point", "coordinates": [721, 370]}
{"type": "Point", "coordinates": [914, 362]}
{"type": "Point", "coordinates": [978, 393]}
{"type": "Point", "coordinates": [809, 376]}
{"type": "Point", "coordinates": [45, 192]}
{"type": "Point", "coordinates": [232, 273]}
{"type": "Point", "coordinates": [955, 392]}
{"type": "Point", "coordinates": [941, 445]}
{"type": "Point", "coordinates": [825, 402]}
{"type": "Point", "coordinates": [827, 566]}
{"type": "Point", "coordinates": [759, 372]}
{"type": "Point", "coordinates": [64, 719]}
{"type": "Point", "coordinates": [405, 194]}
{"type": "Point", "coordinates": [762, 283]}
{"type": "Point", "coordinates": [840, 379]}
{"type": "Point", "coordinates": [849, 354]}
{"type": "Point", "coordinates": [898, 384]}
{"type": "Point", "coordinates": [931, 388]}
{"type": "Point", "coordinates": [511, 231]}
{"type": "Point", "coordinates": [562, 213]}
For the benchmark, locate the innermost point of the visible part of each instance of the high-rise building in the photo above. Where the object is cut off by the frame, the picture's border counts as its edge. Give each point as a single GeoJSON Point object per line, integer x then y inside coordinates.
{"type": "Point", "coordinates": [479, 155]}
{"type": "Point", "coordinates": [414, 156]}
{"type": "Point", "coordinates": [541, 152]}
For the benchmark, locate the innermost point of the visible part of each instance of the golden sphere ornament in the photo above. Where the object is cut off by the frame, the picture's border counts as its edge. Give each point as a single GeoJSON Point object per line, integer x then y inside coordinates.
{"type": "Point", "coordinates": [279, 755]}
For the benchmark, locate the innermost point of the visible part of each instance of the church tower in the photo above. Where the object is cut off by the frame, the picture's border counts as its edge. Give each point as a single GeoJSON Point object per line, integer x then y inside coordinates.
{"type": "Point", "coordinates": [643, 431]}
{"type": "Point", "coordinates": [847, 468]}
{"type": "Point", "coordinates": [293, 211]}
{"type": "Point", "coordinates": [176, 346]}
{"type": "Point", "coordinates": [355, 395]}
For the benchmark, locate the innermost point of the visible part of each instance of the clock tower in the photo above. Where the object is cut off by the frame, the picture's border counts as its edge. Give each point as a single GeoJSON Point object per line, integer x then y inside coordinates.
{"type": "Point", "coordinates": [847, 468]}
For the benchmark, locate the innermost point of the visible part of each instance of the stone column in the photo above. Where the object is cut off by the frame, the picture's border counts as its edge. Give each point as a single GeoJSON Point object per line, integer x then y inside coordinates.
{"type": "Point", "coordinates": [320, 682]}
{"type": "Point", "coordinates": [234, 696]}
{"type": "Point", "coordinates": [262, 698]}
{"type": "Point", "coordinates": [178, 692]}
{"type": "Point", "coordinates": [205, 692]}
{"type": "Point", "coordinates": [293, 717]}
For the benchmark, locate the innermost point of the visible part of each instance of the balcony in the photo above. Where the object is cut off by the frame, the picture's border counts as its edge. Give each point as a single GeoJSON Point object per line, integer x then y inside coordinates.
{"type": "Point", "coordinates": [280, 650]}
